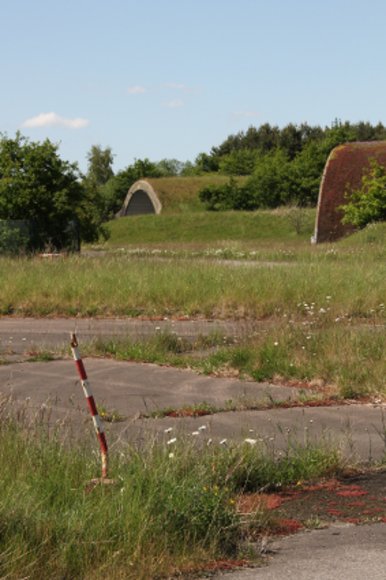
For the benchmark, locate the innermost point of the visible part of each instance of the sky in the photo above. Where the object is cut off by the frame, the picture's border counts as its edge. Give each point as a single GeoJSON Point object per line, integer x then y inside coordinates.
{"type": "Point", "coordinates": [173, 78]}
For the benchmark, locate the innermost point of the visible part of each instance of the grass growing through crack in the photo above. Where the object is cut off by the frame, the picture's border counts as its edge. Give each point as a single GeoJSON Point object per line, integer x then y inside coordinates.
{"type": "Point", "coordinates": [168, 511]}
{"type": "Point", "coordinates": [340, 360]}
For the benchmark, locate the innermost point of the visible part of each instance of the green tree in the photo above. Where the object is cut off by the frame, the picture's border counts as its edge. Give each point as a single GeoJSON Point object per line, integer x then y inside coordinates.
{"type": "Point", "coordinates": [170, 167]}
{"type": "Point", "coordinates": [99, 172]}
{"type": "Point", "coordinates": [38, 186]}
{"type": "Point", "coordinates": [368, 203]}
{"type": "Point", "coordinates": [239, 162]}
{"type": "Point", "coordinates": [269, 184]}
{"type": "Point", "coordinates": [100, 165]}
{"type": "Point", "coordinates": [225, 197]}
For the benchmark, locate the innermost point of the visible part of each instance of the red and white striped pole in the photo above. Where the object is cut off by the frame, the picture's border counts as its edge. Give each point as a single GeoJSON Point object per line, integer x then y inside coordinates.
{"type": "Point", "coordinates": [98, 425]}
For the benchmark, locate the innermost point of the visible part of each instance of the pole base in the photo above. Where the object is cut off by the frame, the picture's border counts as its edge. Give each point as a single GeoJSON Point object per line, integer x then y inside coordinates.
{"type": "Point", "coordinates": [93, 483]}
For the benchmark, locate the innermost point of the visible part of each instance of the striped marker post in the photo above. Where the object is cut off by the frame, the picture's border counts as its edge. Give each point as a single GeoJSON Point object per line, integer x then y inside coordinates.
{"type": "Point", "coordinates": [98, 425]}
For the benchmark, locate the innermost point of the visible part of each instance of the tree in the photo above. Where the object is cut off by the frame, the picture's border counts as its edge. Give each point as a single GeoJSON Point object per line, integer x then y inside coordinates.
{"type": "Point", "coordinates": [268, 186]}
{"type": "Point", "coordinates": [226, 196]}
{"type": "Point", "coordinates": [99, 172]}
{"type": "Point", "coordinates": [100, 163]}
{"type": "Point", "coordinates": [239, 162]}
{"type": "Point", "coordinates": [368, 203]}
{"type": "Point", "coordinates": [170, 167]}
{"type": "Point", "coordinates": [38, 186]}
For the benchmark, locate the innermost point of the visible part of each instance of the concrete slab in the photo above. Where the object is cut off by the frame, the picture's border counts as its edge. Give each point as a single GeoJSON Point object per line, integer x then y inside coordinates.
{"type": "Point", "coordinates": [18, 335]}
{"type": "Point", "coordinates": [133, 389]}
{"type": "Point", "coordinates": [343, 551]}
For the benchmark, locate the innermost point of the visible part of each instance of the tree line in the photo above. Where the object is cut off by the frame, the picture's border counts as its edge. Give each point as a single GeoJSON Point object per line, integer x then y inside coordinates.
{"type": "Point", "coordinates": [281, 165]}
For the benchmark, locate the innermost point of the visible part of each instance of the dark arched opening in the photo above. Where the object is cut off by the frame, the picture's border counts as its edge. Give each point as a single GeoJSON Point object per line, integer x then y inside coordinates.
{"type": "Point", "coordinates": [140, 203]}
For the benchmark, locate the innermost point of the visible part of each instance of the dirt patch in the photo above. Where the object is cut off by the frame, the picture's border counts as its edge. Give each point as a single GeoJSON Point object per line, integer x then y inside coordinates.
{"type": "Point", "coordinates": [357, 499]}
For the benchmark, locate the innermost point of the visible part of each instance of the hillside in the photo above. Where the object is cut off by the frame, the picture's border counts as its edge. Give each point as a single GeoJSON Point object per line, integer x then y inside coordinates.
{"type": "Point", "coordinates": [180, 194]}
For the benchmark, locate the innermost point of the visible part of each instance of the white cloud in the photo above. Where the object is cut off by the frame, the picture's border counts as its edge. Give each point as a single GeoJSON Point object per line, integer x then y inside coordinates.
{"type": "Point", "coordinates": [174, 104]}
{"type": "Point", "coordinates": [136, 90]}
{"type": "Point", "coordinates": [52, 119]}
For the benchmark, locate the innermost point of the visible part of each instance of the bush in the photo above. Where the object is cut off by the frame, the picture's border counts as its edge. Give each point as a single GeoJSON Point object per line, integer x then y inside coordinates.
{"type": "Point", "coordinates": [368, 203]}
{"type": "Point", "coordinates": [14, 237]}
{"type": "Point", "coordinates": [226, 197]}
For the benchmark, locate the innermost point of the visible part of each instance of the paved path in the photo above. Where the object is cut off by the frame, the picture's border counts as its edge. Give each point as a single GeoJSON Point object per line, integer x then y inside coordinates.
{"type": "Point", "coordinates": [133, 389]}
{"type": "Point", "coordinates": [18, 335]}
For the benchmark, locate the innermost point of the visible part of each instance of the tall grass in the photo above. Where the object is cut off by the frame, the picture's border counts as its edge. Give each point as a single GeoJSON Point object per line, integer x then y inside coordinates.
{"type": "Point", "coordinates": [124, 286]}
{"type": "Point", "coordinates": [347, 362]}
{"type": "Point", "coordinates": [168, 511]}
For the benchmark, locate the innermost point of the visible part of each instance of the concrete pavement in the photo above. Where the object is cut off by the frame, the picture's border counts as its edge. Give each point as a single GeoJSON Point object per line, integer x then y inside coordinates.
{"type": "Point", "coordinates": [18, 335]}
{"type": "Point", "coordinates": [134, 389]}
{"type": "Point", "coordinates": [340, 552]}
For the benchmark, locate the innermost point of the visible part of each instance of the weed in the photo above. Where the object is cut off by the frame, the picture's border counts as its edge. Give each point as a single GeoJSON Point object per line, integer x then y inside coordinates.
{"type": "Point", "coordinates": [41, 356]}
{"type": "Point", "coordinates": [110, 415]}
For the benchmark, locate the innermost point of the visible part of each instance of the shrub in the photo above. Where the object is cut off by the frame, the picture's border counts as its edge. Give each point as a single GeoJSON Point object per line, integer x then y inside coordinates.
{"type": "Point", "coordinates": [368, 203]}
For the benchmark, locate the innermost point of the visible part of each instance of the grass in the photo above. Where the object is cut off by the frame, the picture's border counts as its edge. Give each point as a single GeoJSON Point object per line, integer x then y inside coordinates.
{"type": "Point", "coordinates": [208, 227]}
{"type": "Point", "coordinates": [180, 194]}
{"type": "Point", "coordinates": [172, 508]}
{"type": "Point", "coordinates": [125, 286]}
{"type": "Point", "coordinates": [333, 357]}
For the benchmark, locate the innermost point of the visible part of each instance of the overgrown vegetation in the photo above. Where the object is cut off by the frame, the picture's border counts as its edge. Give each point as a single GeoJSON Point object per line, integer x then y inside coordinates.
{"type": "Point", "coordinates": [171, 509]}
{"type": "Point", "coordinates": [114, 285]}
{"type": "Point", "coordinates": [367, 204]}
{"type": "Point", "coordinates": [322, 355]}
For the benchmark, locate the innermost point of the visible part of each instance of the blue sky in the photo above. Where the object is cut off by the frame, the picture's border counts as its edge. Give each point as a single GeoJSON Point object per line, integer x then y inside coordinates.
{"type": "Point", "coordinates": [172, 78]}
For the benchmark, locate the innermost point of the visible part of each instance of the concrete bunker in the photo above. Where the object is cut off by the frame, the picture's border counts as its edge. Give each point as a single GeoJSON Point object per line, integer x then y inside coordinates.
{"type": "Point", "coordinates": [140, 199]}
{"type": "Point", "coordinates": [343, 172]}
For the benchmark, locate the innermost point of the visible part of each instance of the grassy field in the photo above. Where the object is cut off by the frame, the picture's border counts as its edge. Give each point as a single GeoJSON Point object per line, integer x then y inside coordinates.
{"type": "Point", "coordinates": [122, 285]}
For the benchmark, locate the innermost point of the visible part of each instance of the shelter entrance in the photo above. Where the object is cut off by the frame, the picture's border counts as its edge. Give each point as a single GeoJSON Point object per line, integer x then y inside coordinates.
{"type": "Point", "coordinates": [140, 203]}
